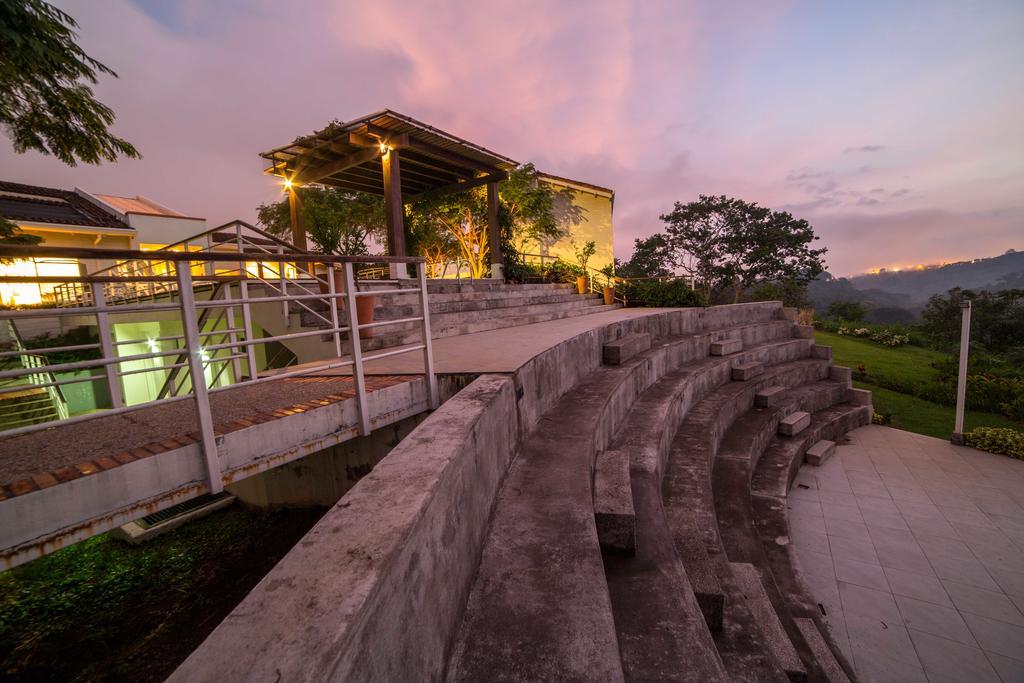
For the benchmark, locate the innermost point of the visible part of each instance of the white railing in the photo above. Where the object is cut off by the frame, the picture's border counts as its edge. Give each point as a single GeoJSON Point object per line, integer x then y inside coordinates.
{"type": "Point", "coordinates": [169, 291]}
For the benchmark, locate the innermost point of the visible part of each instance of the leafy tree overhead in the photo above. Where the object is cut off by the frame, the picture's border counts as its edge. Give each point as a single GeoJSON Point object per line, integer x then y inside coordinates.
{"type": "Point", "coordinates": [337, 221]}
{"type": "Point", "coordinates": [650, 259]}
{"type": "Point", "coordinates": [46, 103]}
{"type": "Point", "coordinates": [12, 234]}
{"type": "Point", "coordinates": [535, 214]}
{"type": "Point", "coordinates": [997, 318]}
{"type": "Point", "coordinates": [460, 219]}
{"type": "Point", "coordinates": [727, 243]}
{"type": "Point", "coordinates": [848, 311]}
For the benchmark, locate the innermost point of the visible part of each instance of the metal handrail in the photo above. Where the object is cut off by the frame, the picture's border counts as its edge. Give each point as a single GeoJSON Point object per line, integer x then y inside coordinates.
{"type": "Point", "coordinates": [238, 341]}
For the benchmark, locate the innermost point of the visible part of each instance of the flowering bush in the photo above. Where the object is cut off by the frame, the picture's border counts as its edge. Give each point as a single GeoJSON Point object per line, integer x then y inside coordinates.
{"type": "Point", "coordinates": [997, 440]}
{"type": "Point", "coordinates": [884, 337]}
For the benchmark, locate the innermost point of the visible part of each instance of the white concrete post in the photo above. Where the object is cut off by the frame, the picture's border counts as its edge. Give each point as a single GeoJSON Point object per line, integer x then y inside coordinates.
{"type": "Point", "coordinates": [428, 347]}
{"type": "Point", "coordinates": [107, 350]}
{"type": "Point", "coordinates": [333, 308]}
{"type": "Point", "coordinates": [357, 351]}
{"type": "Point", "coordinates": [236, 363]}
{"type": "Point", "coordinates": [284, 287]}
{"type": "Point", "coordinates": [250, 349]}
{"type": "Point", "coordinates": [961, 382]}
{"type": "Point", "coordinates": [208, 441]}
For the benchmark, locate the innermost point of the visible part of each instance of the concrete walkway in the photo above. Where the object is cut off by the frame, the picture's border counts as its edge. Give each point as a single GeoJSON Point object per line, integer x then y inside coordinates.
{"type": "Point", "coordinates": [915, 550]}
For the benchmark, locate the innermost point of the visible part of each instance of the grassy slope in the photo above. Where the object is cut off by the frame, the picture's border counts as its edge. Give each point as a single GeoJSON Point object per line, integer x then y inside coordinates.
{"type": "Point", "coordinates": [912, 362]}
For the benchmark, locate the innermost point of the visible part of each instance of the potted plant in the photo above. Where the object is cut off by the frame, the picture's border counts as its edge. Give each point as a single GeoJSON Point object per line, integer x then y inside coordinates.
{"type": "Point", "coordinates": [583, 255]}
{"type": "Point", "coordinates": [609, 289]}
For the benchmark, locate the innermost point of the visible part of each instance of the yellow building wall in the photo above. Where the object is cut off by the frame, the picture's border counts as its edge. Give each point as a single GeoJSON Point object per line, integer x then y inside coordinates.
{"type": "Point", "coordinates": [595, 224]}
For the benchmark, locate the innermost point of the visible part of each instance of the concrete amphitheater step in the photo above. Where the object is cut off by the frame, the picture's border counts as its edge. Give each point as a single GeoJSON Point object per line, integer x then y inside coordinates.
{"type": "Point", "coordinates": [688, 500]}
{"type": "Point", "coordinates": [539, 607]}
{"type": "Point", "coordinates": [769, 485]}
{"type": "Point", "coordinates": [734, 464]}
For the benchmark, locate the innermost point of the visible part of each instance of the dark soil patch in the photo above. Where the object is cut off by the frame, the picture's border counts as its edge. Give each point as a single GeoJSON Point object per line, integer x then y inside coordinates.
{"type": "Point", "coordinates": [106, 611]}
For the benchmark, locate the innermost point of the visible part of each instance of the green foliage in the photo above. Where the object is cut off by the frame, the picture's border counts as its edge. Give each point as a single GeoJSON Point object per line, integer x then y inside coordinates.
{"type": "Point", "coordinates": [533, 211]}
{"type": "Point", "coordinates": [561, 271]}
{"type": "Point", "coordinates": [76, 337]}
{"type": "Point", "coordinates": [789, 292]}
{"type": "Point", "coordinates": [995, 440]}
{"type": "Point", "coordinates": [847, 311]}
{"type": "Point", "coordinates": [997, 318]}
{"type": "Point", "coordinates": [12, 234]}
{"type": "Point", "coordinates": [660, 294]}
{"type": "Point", "coordinates": [337, 221]}
{"type": "Point", "coordinates": [46, 104]}
{"type": "Point", "coordinates": [727, 243]}
{"type": "Point", "coordinates": [584, 253]}
{"type": "Point", "coordinates": [650, 259]}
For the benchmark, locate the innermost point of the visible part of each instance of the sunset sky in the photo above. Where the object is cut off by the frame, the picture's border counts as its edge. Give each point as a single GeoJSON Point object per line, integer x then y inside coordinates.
{"type": "Point", "coordinates": [897, 129]}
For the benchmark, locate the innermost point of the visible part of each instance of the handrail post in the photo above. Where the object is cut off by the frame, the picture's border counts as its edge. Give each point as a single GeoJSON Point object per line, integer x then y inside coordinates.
{"type": "Point", "coordinates": [284, 286]}
{"type": "Point", "coordinates": [333, 308]}
{"type": "Point", "coordinates": [250, 349]}
{"type": "Point", "coordinates": [961, 383]}
{"type": "Point", "coordinates": [428, 348]}
{"type": "Point", "coordinates": [107, 349]}
{"type": "Point", "coordinates": [357, 351]}
{"type": "Point", "coordinates": [208, 441]}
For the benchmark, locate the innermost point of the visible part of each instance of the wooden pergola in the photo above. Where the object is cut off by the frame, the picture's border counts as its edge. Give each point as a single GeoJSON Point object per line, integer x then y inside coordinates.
{"type": "Point", "coordinates": [396, 156]}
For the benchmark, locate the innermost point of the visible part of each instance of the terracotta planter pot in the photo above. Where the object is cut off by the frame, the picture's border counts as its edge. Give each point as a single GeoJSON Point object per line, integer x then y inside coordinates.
{"type": "Point", "coordinates": [364, 304]}
{"type": "Point", "coordinates": [364, 313]}
{"type": "Point", "coordinates": [609, 295]}
{"type": "Point", "coordinates": [581, 284]}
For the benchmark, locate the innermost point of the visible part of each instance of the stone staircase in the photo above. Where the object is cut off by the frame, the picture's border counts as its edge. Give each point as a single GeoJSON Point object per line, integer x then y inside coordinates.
{"type": "Point", "coordinates": [24, 408]}
{"type": "Point", "coordinates": [465, 308]}
{"type": "Point", "coordinates": [641, 531]}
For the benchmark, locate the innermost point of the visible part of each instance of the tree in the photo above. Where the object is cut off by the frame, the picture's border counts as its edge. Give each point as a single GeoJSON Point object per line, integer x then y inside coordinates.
{"type": "Point", "coordinates": [847, 311]}
{"type": "Point", "coordinates": [46, 104]}
{"type": "Point", "coordinates": [337, 221]}
{"type": "Point", "coordinates": [460, 218]}
{"type": "Point", "coordinates": [997, 318]}
{"type": "Point", "coordinates": [534, 212]}
{"type": "Point", "coordinates": [650, 259]}
{"type": "Point", "coordinates": [727, 243]}
{"type": "Point", "coordinates": [789, 292]}
{"type": "Point", "coordinates": [12, 234]}
{"type": "Point", "coordinates": [584, 254]}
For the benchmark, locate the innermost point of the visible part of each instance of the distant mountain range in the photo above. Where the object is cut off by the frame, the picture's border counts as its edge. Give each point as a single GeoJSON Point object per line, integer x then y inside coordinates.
{"type": "Point", "coordinates": [898, 296]}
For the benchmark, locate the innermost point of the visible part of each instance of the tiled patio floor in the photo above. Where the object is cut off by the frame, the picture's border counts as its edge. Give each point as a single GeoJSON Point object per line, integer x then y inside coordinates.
{"type": "Point", "coordinates": [915, 549]}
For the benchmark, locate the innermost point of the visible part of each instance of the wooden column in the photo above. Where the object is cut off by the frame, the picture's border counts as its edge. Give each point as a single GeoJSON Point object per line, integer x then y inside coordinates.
{"type": "Point", "coordinates": [298, 229]}
{"type": "Point", "coordinates": [394, 210]}
{"type": "Point", "coordinates": [494, 232]}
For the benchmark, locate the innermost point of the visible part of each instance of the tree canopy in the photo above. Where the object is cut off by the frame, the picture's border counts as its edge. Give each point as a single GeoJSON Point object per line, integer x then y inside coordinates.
{"type": "Point", "coordinates": [848, 311]}
{"type": "Point", "coordinates": [727, 243]}
{"type": "Point", "coordinates": [534, 211]}
{"type": "Point", "coordinates": [997, 318]}
{"type": "Point", "coordinates": [650, 259]}
{"type": "Point", "coordinates": [336, 221]}
{"type": "Point", "coordinates": [46, 103]}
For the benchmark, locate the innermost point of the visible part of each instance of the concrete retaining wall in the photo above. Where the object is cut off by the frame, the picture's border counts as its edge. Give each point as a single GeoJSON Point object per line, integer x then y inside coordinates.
{"type": "Point", "coordinates": [376, 590]}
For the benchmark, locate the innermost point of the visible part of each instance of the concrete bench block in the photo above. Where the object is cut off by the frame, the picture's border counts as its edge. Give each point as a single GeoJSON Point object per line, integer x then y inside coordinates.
{"type": "Point", "coordinates": [747, 371]}
{"type": "Point", "coordinates": [726, 347]}
{"type": "Point", "coordinates": [769, 396]}
{"type": "Point", "coordinates": [820, 452]}
{"type": "Point", "coordinates": [822, 352]}
{"type": "Point", "coordinates": [619, 351]}
{"type": "Point", "coordinates": [859, 397]}
{"type": "Point", "coordinates": [837, 373]}
{"type": "Point", "coordinates": [761, 609]}
{"type": "Point", "coordinates": [795, 423]}
{"type": "Point", "coordinates": [823, 655]}
{"type": "Point", "coordinates": [613, 503]}
{"type": "Point", "coordinates": [699, 570]}
{"type": "Point", "coordinates": [803, 331]}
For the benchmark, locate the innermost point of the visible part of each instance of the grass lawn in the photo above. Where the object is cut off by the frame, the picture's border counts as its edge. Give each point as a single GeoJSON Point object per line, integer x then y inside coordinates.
{"type": "Point", "coordinates": [910, 363]}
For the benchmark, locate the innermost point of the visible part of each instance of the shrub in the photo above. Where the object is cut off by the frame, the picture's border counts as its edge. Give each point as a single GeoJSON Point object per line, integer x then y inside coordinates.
{"type": "Point", "coordinates": [997, 440]}
{"type": "Point", "coordinates": [562, 271]}
{"type": "Point", "coordinates": [660, 294]}
{"type": "Point", "coordinates": [880, 418]}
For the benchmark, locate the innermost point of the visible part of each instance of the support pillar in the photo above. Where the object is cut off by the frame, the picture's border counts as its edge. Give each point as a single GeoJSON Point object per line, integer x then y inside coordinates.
{"type": "Point", "coordinates": [394, 211]}
{"type": "Point", "coordinates": [961, 385]}
{"type": "Point", "coordinates": [494, 233]}
{"type": "Point", "coordinates": [295, 208]}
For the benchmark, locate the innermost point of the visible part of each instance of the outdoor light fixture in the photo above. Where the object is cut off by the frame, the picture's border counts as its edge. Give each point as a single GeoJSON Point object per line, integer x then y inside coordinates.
{"type": "Point", "coordinates": [385, 147]}
{"type": "Point", "coordinates": [152, 344]}
{"type": "Point", "coordinates": [287, 183]}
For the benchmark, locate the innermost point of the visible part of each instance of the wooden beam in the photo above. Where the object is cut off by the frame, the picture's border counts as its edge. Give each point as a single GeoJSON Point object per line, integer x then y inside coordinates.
{"type": "Point", "coordinates": [493, 228]}
{"type": "Point", "coordinates": [313, 173]}
{"type": "Point", "coordinates": [429, 149]}
{"type": "Point", "coordinates": [394, 209]}
{"type": "Point", "coordinates": [462, 186]}
{"type": "Point", "coordinates": [295, 209]}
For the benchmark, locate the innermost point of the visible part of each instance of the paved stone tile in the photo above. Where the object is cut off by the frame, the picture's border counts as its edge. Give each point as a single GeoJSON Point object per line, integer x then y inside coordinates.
{"type": "Point", "coordinates": [882, 505]}
{"type": "Point", "coordinates": [934, 619]}
{"type": "Point", "coordinates": [873, 636]}
{"type": "Point", "coordinates": [1011, 582]}
{"type": "Point", "coordinates": [918, 508]}
{"type": "Point", "coordinates": [816, 564]}
{"type": "Point", "coordinates": [842, 527]}
{"type": "Point", "coordinates": [859, 549]}
{"type": "Point", "coordinates": [868, 602]}
{"type": "Point", "coordinates": [952, 660]}
{"type": "Point", "coordinates": [888, 520]}
{"type": "Point", "coordinates": [967, 571]}
{"type": "Point", "coordinates": [850, 513]}
{"type": "Point", "coordinates": [938, 545]}
{"type": "Point", "coordinates": [935, 526]}
{"type": "Point", "coordinates": [909, 494]}
{"type": "Point", "coordinates": [902, 556]}
{"type": "Point", "coordinates": [920, 586]}
{"type": "Point", "coordinates": [875, 668]}
{"type": "Point", "coordinates": [996, 636]}
{"type": "Point", "coordinates": [864, 574]}
{"type": "Point", "coordinates": [983, 602]}
{"type": "Point", "coordinates": [811, 508]}
{"type": "Point", "coordinates": [803, 523]}
{"type": "Point", "coordinates": [813, 541]}
{"type": "Point", "coordinates": [1009, 669]}
{"type": "Point", "coordinates": [965, 515]}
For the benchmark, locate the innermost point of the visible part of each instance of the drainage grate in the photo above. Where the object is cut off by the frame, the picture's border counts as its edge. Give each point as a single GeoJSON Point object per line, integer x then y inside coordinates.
{"type": "Point", "coordinates": [179, 509]}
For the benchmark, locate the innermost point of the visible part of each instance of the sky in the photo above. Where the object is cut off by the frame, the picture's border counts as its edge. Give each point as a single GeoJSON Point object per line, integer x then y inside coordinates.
{"type": "Point", "coordinates": [894, 128]}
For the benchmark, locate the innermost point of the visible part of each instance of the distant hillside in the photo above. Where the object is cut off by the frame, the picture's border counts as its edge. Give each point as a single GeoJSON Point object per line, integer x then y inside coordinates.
{"type": "Point", "coordinates": [998, 272]}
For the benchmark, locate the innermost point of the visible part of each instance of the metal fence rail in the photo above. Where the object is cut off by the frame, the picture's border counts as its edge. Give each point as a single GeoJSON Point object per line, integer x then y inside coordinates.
{"type": "Point", "coordinates": [166, 283]}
